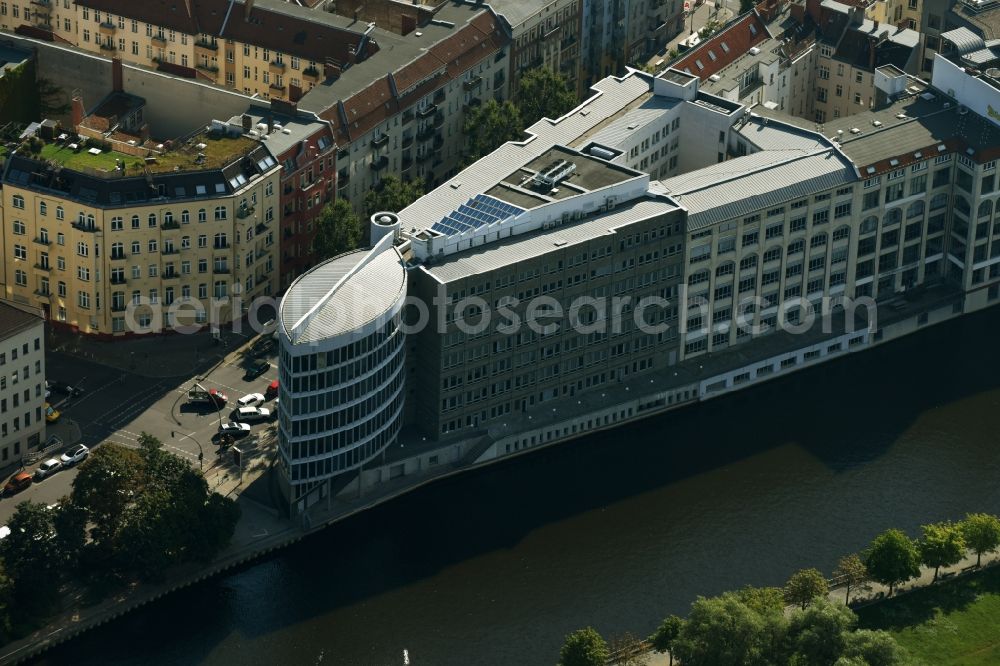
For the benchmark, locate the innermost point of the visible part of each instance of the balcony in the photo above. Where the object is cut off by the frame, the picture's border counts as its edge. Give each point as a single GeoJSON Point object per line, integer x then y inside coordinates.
{"type": "Point", "coordinates": [159, 40]}
{"type": "Point", "coordinates": [118, 307]}
{"type": "Point", "coordinates": [498, 81]}
{"type": "Point", "coordinates": [380, 141]}
{"type": "Point", "coordinates": [170, 275]}
{"type": "Point", "coordinates": [438, 143]}
{"type": "Point", "coordinates": [260, 228]}
{"type": "Point", "coordinates": [170, 226]}
{"type": "Point", "coordinates": [85, 226]}
{"type": "Point", "coordinates": [243, 212]}
{"type": "Point", "coordinates": [425, 157]}
{"type": "Point", "coordinates": [107, 46]}
{"type": "Point", "coordinates": [221, 245]}
{"type": "Point", "coordinates": [277, 89]}
{"type": "Point", "coordinates": [311, 74]}
{"type": "Point", "coordinates": [425, 134]}
{"type": "Point", "coordinates": [407, 116]}
{"type": "Point", "coordinates": [107, 28]}
{"type": "Point", "coordinates": [427, 111]}
{"type": "Point", "coordinates": [342, 184]}
{"type": "Point", "coordinates": [118, 279]}
{"type": "Point", "coordinates": [473, 103]}
{"type": "Point", "coordinates": [43, 267]}
{"type": "Point", "coordinates": [567, 42]}
{"type": "Point", "coordinates": [472, 83]}
{"type": "Point", "coordinates": [43, 241]}
{"type": "Point", "coordinates": [407, 163]}
{"type": "Point", "coordinates": [276, 67]}
{"type": "Point", "coordinates": [438, 120]}
{"type": "Point", "coordinates": [43, 294]}
{"type": "Point", "coordinates": [379, 163]}
{"type": "Point", "coordinates": [117, 256]}
{"type": "Point", "coordinates": [439, 96]}
{"type": "Point", "coordinates": [205, 67]}
{"type": "Point", "coordinates": [206, 48]}
{"type": "Point", "coordinates": [220, 270]}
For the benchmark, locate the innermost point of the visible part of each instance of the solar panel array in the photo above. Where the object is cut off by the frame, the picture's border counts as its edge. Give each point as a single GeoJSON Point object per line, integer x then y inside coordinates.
{"type": "Point", "coordinates": [478, 211]}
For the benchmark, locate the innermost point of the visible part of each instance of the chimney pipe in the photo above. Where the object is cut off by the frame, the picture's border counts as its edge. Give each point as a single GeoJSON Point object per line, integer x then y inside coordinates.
{"type": "Point", "coordinates": [876, 25]}
{"type": "Point", "coordinates": [77, 111]}
{"type": "Point", "coordinates": [247, 122]}
{"type": "Point", "coordinates": [117, 75]}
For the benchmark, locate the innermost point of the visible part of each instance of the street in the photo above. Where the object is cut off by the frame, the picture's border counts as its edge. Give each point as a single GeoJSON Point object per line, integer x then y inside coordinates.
{"type": "Point", "coordinates": [117, 406]}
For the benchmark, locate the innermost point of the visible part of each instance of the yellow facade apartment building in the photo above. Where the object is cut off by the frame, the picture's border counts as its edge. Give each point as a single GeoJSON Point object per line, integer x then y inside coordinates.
{"type": "Point", "coordinates": [112, 244]}
{"type": "Point", "coordinates": [261, 47]}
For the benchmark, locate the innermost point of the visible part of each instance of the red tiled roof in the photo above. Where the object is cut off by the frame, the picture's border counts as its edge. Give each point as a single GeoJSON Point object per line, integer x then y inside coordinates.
{"type": "Point", "coordinates": [738, 38]}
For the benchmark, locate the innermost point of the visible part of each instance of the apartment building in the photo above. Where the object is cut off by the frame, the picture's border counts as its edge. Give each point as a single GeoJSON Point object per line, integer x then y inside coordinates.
{"type": "Point", "coordinates": [188, 234]}
{"type": "Point", "coordinates": [627, 32]}
{"type": "Point", "coordinates": [548, 34]}
{"type": "Point", "coordinates": [270, 48]}
{"type": "Point", "coordinates": [22, 382]}
{"type": "Point", "coordinates": [409, 122]}
{"type": "Point", "coordinates": [746, 224]}
{"type": "Point", "coordinates": [303, 146]}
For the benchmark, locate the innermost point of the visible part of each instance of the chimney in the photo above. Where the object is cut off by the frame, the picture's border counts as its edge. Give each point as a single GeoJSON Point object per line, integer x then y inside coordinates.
{"type": "Point", "coordinates": [876, 26]}
{"type": "Point", "coordinates": [871, 53]}
{"type": "Point", "coordinates": [247, 9]}
{"type": "Point", "coordinates": [294, 93]}
{"type": "Point", "coordinates": [270, 124]}
{"type": "Point", "coordinates": [77, 111]}
{"type": "Point", "coordinates": [247, 121]}
{"type": "Point", "coordinates": [117, 78]}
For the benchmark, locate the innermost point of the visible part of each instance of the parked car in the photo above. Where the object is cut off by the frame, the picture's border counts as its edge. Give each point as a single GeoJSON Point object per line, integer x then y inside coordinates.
{"type": "Point", "coordinates": [75, 455]}
{"type": "Point", "coordinates": [272, 390]}
{"type": "Point", "coordinates": [264, 346]}
{"type": "Point", "coordinates": [256, 369]}
{"type": "Point", "coordinates": [235, 429]}
{"type": "Point", "coordinates": [250, 400]}
{"type": "Point", "coordinates": [17, 483]}
{"type": "Point", "coordinates": [252, 414]}
{"type": "Point", "coordinates": [65, 389]}
{"type": "Point", "coordinates": [51, 413]}
{"type": "Point", "coordinates": [47, 469]}
{"type": "Point", "coordinates": [217, 399]}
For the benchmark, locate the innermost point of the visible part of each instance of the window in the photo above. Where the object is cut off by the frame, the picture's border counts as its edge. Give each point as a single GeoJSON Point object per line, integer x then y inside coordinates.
{"type": "Point", "coordinates": [18, 201]}
{"type": "Point", "coordinates": [18, 228]}
{"type": "Point", "coordinates": [60, 213]}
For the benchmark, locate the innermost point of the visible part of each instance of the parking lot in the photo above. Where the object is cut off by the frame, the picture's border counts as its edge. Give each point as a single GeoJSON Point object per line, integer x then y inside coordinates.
{"type": "Point", "coordinates": [117, 405]}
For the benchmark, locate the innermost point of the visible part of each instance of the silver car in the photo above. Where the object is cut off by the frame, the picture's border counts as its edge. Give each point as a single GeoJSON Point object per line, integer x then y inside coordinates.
{"type": "Point", "coordinates": [48, 468]}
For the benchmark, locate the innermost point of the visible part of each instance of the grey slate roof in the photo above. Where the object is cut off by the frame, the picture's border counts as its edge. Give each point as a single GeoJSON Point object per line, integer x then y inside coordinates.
{"type": "Point", "coordinates": [751, 183]}
{"type": "Point", "coordinates": [14, 319]}
{"type": "Point", "coordinates": [341, 307]}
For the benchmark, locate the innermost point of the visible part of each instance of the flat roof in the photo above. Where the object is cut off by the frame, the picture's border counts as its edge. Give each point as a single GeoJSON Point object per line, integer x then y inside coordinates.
{"type": "Point", "coordinates": [506, 252]}
{"type": "Point", "coordinates": [298, 128]}
{"type": "Point", "coordinates": [610, 96]}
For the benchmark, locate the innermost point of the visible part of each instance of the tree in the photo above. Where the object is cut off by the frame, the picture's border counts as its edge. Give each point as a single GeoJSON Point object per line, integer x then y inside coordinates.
{"type": "Point", "coordinates": [724, 631]}
{"type": "Point", "coordinates": [393, 195]}
{"type": "Point", "coordinates": [70, 524]}
{"type": "Point", "coordinates": [584, 647]}
{"type": "Point", "coordinates": [892, 558]}
{"type": "Point", "coordinates": [804, 586]}
{"type": "Point", "coordinates": [489, 126]}
{"type": "Point", "coordinates": [852, 570]}
{"type": "Point", "coordinates": [764, 600]}
{"type": "Point", "coordinates": [543, 93]}
{"type": "Point", "coordinates": [338, 230]}
{"type": "Point", "coordinates": [104, 486]}
{"type": "Point", "coordinates": [981, 533]}
{"type": "Point", "coordinates": [942, 546]}
{"type": "Point", "coordinates": [31, 558]}
{"type": "Point", "coordinates": [873, 648]}
{"type": "Point", "coordinates": [818, 634]}
{"type": "Point", "coordinates": [666, 634]}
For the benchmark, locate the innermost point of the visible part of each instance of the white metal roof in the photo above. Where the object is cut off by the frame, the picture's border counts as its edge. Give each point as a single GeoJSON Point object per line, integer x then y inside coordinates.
{"type": "Point", "coordinates": [343, 294]}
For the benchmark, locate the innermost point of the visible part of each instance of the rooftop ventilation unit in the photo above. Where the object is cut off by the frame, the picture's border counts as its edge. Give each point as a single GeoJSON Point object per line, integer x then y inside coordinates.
{"type": "Point", "coordinates": [754, 50]}
{"type": "Point", "coordinates": [554, 173]}
{"type": "Point", "coordinates": [715, 78]}
{"type": "Point", "coordinates": [877, 123]}
{"type": "Point", "coordinates": [855, 130]}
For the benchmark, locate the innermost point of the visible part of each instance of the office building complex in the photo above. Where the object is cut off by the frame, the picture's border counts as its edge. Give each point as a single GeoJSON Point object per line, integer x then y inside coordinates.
{"type": "Point", "coordinates": [22, 382]}
{"type": "Point", "coordinates": [660, 245]}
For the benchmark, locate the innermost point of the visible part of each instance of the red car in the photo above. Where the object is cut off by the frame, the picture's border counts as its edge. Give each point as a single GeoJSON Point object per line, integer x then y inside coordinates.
{"type": "Point", "coordinates": [17, 483]}
{"type": "Point", "coordinates": [272, 390]}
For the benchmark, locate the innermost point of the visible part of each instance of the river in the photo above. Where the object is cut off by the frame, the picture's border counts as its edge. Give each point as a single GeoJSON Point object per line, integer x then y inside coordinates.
{"type": "Point", "coordinates": [615, 530]}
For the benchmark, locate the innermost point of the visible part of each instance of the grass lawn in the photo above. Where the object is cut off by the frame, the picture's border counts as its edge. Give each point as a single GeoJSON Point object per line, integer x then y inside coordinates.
{"type": "Point", "coordinates": [957, 622]}
{"type": "Point", "coordinates": [77, 161]}
{"type": "Point", "coordinates": [218, 152]}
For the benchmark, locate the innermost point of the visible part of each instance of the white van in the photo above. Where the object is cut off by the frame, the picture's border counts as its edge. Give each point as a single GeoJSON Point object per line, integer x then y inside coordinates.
{"type": "Point", "coordinates": [252, 414]}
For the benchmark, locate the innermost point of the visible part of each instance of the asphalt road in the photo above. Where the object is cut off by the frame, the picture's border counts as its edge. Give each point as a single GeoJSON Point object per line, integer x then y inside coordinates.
{"type": "Point", "coordinates": [117, 407]}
